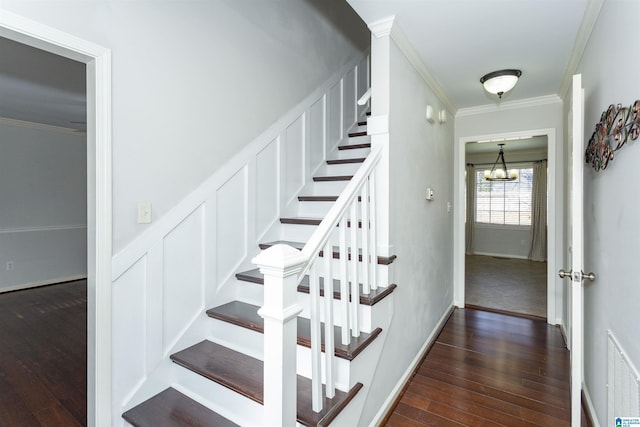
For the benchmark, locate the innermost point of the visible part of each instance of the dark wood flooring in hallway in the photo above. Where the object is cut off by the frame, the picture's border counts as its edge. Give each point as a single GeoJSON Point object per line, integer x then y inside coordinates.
{"type": "Point", "coordinates": [43, 356]}
{"type": "Point", "coordinates": [490, 369]}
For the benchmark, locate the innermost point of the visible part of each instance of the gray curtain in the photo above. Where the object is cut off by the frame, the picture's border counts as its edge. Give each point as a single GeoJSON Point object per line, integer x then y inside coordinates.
{"type": "Point", "coordinates": [538, 250]}
{"type": "Point", "coordinates": [470, 208]}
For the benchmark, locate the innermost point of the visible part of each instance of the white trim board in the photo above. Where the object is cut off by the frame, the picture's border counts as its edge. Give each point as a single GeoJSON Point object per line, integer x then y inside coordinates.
{"type": "Point", "coordinates": [43, 228]}
{"type": "Point", "coordinates": [406, 377]}
{"type": "Point", "coordinates": [99, 202]}
{"type": "Point", "coordinates": [42, 283]}
{"type": "Point", "coordinates": [509, 105]}
{"type": "Point", "coordinates": [40, 126]}
{"type": "Point", "coordinates": [554, 221]}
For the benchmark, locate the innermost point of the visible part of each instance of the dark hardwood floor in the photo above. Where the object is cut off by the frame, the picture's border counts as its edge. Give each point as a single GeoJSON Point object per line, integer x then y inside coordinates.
{"type": "Point", "coordinates": [490, 369]}
{"type": "Point", "coordinates": [43, 356]}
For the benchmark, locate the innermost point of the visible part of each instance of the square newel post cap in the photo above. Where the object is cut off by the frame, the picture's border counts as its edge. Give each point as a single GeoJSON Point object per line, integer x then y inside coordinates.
{"type": "Point", "coordinates": [280, 260]}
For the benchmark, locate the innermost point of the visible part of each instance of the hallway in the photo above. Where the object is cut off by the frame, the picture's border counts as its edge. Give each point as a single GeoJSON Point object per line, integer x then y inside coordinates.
{"type": "Point", "coordinates": [490, 369]}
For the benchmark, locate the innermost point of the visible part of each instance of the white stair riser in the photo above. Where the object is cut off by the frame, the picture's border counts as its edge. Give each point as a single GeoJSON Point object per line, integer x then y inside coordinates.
{"type": "Point", "coordinates": [340, 169]}
{"type": "Point", "coordinates": [327, 188]}
{"type": "Point", "coordinates": [353, 153]}
{"type": "Point", "coordinates": [226, 402]}
{"type": "Point", "coordinates": [314, 209]}
{"type": "Point", "coordinates": [253, 293]}
{"type": "Point", "coordinates": [252, 343]}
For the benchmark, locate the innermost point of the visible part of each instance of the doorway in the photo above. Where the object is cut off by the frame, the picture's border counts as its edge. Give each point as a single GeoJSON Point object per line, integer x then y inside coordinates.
{"type": "Point", "coordinates": [554, 292]}
{"type": "Point", "coordinates": [505, 225]}
{"type": "Point", "coordinates": [99, 235]}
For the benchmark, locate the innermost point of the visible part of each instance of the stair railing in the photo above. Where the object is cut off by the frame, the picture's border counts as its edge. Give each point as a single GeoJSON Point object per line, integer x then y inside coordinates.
{"type": "Point", "coordinates": [353, 218]}
{"type": "Point", "coordinates": [357, 241]}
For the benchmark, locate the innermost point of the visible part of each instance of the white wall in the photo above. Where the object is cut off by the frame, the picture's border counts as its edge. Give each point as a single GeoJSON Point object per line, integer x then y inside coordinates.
{"type": "Point", "coordinates": [194, 82]}
{"type": "Point", "coordinates": [43, 175]}
{"type": "Point", "coordinates": [420, 231]}
{"type": "Point", "coordinates": [609, 76]}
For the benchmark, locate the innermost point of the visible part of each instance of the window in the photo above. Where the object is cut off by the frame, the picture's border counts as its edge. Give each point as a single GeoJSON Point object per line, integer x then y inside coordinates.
{"type": "Point", "coordinates": [504, 202]}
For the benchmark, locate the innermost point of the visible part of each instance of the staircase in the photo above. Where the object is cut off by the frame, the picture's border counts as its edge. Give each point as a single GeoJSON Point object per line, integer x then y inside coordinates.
{"type": "Point", "coordinates": [229, 355]}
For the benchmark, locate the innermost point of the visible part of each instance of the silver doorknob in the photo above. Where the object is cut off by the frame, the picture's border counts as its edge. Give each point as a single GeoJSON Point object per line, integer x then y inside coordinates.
{"type": "Point", "coordinates": [564, 274]}
{"type": "Point", "coordinates": [589, 276]}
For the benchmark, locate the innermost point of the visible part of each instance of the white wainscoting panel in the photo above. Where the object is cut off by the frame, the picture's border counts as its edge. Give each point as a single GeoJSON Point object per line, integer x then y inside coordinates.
{"type": "Point", "coordinates": [334, 116]}
{"type": "Point", "coordinates": [349, 99]}
{"type": "Point", "coordinates": [363, 82]}
{"type": "Point", "coordinates": [129, 313]}
{"type": "Point", "coordinates": [183, 282]}
{"type": "Point", "coordinates": [294, 159]}
{"type": "Point", "coordinates": [317, 130]}
{"type": "Point", "coordinates": [267, 187]}
{"type": "Point", "coordinates": [231, 225]}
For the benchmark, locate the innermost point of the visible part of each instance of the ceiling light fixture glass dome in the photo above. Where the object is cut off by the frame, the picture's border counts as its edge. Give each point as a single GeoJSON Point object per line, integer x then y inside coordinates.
{"type": "Point", "coordinates": [501, 81]}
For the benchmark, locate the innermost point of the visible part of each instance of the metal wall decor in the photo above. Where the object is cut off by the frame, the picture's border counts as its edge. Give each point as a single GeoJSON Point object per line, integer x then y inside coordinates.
{"type": "Point", "coordinates": [617, 125]}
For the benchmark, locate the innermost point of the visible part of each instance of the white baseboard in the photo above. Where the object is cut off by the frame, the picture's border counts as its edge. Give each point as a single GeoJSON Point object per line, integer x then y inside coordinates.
{"type": "Point", "coordinates": [588, 404]}
{"type": "Point", "coordinates": [501, 255]}
{"type": "Point", "coordinates": [406, 377]}
{"type": "Point", "coordinates": [42, 283]}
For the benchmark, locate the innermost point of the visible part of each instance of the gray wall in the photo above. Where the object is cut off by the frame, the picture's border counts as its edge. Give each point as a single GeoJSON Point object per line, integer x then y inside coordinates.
{"type": "Point", "coordinates": [612, 230]}
{"type": "Point", "coordinates": [420, 231]}
{"type": "Point", "coordinates": [194, 82]}
{"type": "Point", "coordinates": [43, 191]}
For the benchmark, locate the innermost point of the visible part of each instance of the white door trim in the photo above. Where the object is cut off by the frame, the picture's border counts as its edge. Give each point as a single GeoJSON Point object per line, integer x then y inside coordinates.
{"type": "Point", "coordinates": [554, 292]}
{"type": "Point", "coordinates": [99, 213]}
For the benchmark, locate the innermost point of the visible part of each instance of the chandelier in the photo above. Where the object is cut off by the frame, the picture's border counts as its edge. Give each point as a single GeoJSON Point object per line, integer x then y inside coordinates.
{"type": "Point", "coordinates": [499, 171]}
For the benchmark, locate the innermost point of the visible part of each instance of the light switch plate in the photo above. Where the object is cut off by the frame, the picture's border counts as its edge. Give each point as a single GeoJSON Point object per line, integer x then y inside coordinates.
{"type": "Point", "coordinates": [144, 213]}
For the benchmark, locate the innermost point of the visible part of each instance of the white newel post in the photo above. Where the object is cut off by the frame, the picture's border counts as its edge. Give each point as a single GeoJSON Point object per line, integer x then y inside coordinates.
{"type": "Point", "coordinates": [280, 265]}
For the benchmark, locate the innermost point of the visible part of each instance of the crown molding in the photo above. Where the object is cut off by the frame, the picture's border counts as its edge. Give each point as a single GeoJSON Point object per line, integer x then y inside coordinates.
{"type": "Point", "coordinates": [390, 27]}
{"type": "Point", "coordinates": [584, 33]}
{"type": "Point", "coordinates": [382, 27]}
{"type": "Point", "coordinates": [511, 105]}
{"type": "Point", "coordinates": [40, 126]}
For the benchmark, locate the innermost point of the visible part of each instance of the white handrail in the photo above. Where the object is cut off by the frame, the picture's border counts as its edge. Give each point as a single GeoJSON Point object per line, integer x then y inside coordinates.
{"type": "Point", "coordinates": [364, 98]}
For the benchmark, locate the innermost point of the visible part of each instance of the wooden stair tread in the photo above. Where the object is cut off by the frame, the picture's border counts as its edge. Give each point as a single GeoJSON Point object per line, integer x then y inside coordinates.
{"type": "Point", "coordinates": [354, 146]}
{"type": "Point", "coordinates": [308, 221]}
{"type": "Point", "coordinates": [346, 161]}
{"type": "Point", "coordinates": [332, 178]}
{"type": "Point", "coordinates": [317, 198]}
{"type": "Point", "coordinates": [170, 408]}
{"type": "Point", "coordinates": [244, 374]}
{"type": "Point", "coordinates": [362, 123]}
{"type": "Point", "coordinates": [382, 260]}
{"type": "Point", "coordinates": [246, 316]}
{"type": "Point", "coordinates": [356, 134]}
{"type": "Point", "coordinates": [372, 298]}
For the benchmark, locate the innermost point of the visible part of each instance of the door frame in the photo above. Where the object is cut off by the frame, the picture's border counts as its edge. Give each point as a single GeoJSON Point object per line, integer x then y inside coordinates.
{"type": "Point", "coordinates": [554, 222]}
{"type": "Point", "coordinates": [99, 199]}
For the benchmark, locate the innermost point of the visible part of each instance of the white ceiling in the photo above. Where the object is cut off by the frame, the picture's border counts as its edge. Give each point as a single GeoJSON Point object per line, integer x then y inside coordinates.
{"type": "Point", "coordinates": [458, 41]}
{"type": "Point", "coordinates": [461, 40]}
{"type": "Point", "coordinates": [41, 87]}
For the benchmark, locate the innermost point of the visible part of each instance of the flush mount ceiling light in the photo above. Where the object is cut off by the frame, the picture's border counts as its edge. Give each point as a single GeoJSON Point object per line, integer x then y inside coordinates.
{"type": "Point", "coordinates": [499, 171]}
{"type": "Point", "coordinates": [501, 81]}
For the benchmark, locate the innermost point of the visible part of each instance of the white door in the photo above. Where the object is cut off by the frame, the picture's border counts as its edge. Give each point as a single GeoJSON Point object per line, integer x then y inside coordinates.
{"type": "Point", "coordinates": [576, 275]}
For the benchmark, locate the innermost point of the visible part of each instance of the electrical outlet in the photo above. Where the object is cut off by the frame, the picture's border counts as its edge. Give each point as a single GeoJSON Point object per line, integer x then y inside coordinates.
{"type": "Point", "coordinates": [9, 265]}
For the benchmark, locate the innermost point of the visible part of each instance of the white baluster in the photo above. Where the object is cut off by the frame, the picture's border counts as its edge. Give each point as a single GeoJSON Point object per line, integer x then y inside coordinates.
{"type": "Point", "coordinates": [355, 287]}
{"type": "Point", "coordinates": [344, 282]}
{"type": "Point", "coordinates": [280, 265]}
{"type": "Point", "coordinates": [372, 221]}
{"type": "Point", "coordinates": [316, 349]}
{"type": "Point", "coordinates": [329, 343]}
{"type": "Point", "coordinates": [364, 208]}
